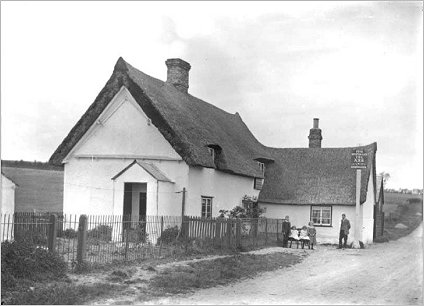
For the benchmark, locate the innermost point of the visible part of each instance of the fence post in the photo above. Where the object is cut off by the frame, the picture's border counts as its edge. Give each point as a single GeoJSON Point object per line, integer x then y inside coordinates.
{"type": "Point", "coordinates": [266, 231]}
{"type": "Point", "coordinates": [218, 228]}
{"type": "Point", "coordinates": [82, 239]}
{"type": "Point", "coordinates": [127, 231]}
{"type": "Point", "coordinates": [278, 238]}
{"type": "Point", "coordinates": [238, 233]}
{"type": "Point", "coordinates": [229, 232]}
{"type": "Point", "coordinates": [51, 239]}
{"type": "Point", "coordinates": [161, 238]}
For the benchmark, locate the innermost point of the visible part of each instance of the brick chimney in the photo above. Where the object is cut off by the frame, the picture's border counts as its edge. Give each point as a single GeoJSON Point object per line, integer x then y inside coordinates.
{"type": "Point", "coordinates": [178, 73]}
{"type": "Point", "coordinates": [315, 135]}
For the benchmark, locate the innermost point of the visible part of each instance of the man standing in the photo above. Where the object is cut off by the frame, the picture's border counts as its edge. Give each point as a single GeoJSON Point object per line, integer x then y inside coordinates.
{"type": "Point", "coordinates": [286, 231]}
{"type": "Point", "coordinates": [344, 231]}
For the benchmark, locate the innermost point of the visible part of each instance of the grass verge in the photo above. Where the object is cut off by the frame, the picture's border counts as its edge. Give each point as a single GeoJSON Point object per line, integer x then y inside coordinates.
{"type": "Point", "coordinates": [61, 293]}
{"type": "Point", "coordinates": [123, 282]}
{"type": "Point", "coordinates": [407, 215]}
{"type": "Point", "coordinates": [221, 271]}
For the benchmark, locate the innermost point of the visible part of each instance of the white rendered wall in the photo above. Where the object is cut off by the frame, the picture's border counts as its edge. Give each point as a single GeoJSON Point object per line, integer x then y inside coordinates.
{"type": "Point", "coordinates": [301, 214]}
{"type": "Point", "coordinates": [124, 132]}
{"type": "Point", "coordinates": [7, 195]}
{"type": "Point", "coordinates": [169, 201]}
{"type": "Point", "coordinates": [226, 189]}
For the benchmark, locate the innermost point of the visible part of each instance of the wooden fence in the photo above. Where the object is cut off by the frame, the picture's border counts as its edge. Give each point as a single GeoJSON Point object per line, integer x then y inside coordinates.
{"type": "Point", "coordinates": [101, 239]}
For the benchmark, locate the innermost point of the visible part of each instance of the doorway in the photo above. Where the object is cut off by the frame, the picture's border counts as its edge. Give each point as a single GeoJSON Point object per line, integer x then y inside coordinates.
{"type": "Point", "coordinates": [134, 204]}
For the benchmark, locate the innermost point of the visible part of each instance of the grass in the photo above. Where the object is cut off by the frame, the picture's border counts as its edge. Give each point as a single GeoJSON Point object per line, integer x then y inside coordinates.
{"type": "Point", "coordinates": [62, 293]}
{"type": "Point", "coordinates": [409, 214]}
{"type": "Point", "coordinates": [221, 271]}
{"type": "Point", "coordinates": [121, 280]}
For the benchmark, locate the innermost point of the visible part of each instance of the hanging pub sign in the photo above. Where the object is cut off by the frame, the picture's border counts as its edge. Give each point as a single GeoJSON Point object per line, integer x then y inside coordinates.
{"type": "Point", "coordinates": [358, 159]}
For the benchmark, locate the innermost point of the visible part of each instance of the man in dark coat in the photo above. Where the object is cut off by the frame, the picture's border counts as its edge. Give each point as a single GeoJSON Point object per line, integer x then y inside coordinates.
{"type": "Point", "coordinates": [286, 231]}
{"type": "Point", "coordinates": [344, 231]}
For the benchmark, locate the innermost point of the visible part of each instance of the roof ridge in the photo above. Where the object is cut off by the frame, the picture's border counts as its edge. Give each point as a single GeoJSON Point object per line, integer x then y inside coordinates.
{"type": "Point", "coordinates": [373, 144]}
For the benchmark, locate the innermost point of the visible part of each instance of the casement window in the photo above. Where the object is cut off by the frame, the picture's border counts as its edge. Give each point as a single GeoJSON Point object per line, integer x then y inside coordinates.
{"type": "Point", "coordinates": [321, 215]}
{"type": "Point", "coordinates": [206, 207]}
{"type": "Point", "coordinates": [258, 183]}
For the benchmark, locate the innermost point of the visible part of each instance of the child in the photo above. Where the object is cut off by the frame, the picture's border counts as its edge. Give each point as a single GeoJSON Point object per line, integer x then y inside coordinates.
{"type": "Point", "coordinates": [293, 233]}
{"type": "Point", "coordinates": [312, 233]}
{"type": "Point", "coordinates": [286, 231]}
{"type": "Point", "coordinates": [304, 238]}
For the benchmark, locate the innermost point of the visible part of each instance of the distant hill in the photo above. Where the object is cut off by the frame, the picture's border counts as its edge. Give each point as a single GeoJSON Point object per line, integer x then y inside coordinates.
{"type": "Point", "coordinates": [40, 185]}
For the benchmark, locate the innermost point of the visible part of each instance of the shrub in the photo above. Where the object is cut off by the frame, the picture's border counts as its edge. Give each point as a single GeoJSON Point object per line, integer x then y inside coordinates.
{"type": "Point", "coordinates": [137, 235]}
{"type": "Point", "coordinates": [169, 235]}
{"type": "Point", "coordinates": [37, 236]}
{"type": "Point", "coordinates": [101, 233]}
{"type": "Point", "coordinates": [70, 233]}
{"type": "Point", "coordinates": [24, 260]}
{"type": "Point", "coordinates": [414, 200]}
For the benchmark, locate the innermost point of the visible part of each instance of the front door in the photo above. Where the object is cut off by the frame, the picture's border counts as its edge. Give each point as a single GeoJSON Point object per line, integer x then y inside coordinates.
{"type": "Point", "coordinates": [142, 206]}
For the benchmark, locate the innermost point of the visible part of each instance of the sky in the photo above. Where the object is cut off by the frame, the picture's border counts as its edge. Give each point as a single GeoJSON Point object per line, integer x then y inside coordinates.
{"type": "Point", "coordinates": [357, 66]}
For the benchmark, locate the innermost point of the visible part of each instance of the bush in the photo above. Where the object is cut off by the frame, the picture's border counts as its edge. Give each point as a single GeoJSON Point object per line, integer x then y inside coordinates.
{"type": "Point", "coordinates": [101, 233]}
{"type": "Point", "coordinates": [37, 236]}
{"type": "Point", "coordinates": [24, 260]}
{"type": "Point", "coordinates": [70, 233]}
{"type": "Point", "coordinates": [169, 235]}
{"type": "Point", "coordinates": [414, 200]}
{"type": "Point", "coordinates": [137, 235]}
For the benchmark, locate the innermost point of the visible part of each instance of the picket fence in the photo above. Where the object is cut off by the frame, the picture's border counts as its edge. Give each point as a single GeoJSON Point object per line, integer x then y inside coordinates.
{"type": "Point", "coordinates": [100, 239]}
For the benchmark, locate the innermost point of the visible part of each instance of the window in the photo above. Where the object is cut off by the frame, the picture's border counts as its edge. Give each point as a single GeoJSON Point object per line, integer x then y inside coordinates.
{"type": "Point", "coordinates": [262, 167]}
{"type": "Point", "coordinates": [321, 215]}
{"type": "Point", "coordinates": [258, 183]}
{"type": "Point", "coordinates": [206, 207]}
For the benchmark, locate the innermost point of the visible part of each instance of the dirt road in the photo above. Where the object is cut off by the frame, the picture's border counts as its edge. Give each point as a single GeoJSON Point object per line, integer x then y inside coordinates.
{"type": "Point", "coordinates": [387, 273]}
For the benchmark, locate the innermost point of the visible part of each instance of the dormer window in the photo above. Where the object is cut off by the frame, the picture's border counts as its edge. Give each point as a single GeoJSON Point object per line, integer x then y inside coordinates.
{"type": "Point", "coordinates": [215, 151]}
{"type": "Point", "coordinates": [212, 153]}
{"type": "Point", "coordinates": [261, 167]}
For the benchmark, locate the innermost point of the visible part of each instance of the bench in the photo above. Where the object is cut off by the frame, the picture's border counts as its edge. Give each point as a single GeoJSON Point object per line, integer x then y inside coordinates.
{"type": "Point", "coordinates": [303, 242]}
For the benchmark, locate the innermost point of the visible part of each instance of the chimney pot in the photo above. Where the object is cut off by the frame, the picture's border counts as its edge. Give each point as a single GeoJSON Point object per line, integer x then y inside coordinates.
{"type": "Point", "coordinates": [178, 73]}
{"type": "Point", "coordinates": [315, 136]}
{"type": "Point", "coordinates": [316, 123]}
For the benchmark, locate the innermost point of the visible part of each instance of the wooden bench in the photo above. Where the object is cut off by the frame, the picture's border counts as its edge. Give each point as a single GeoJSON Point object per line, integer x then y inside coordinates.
{"type": "Point", "coordinates": [303, 242]}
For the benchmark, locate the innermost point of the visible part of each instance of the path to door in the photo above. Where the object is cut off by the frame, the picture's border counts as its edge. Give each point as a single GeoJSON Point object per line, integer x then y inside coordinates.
{"type": "Point", "coordinates": [387, 273]}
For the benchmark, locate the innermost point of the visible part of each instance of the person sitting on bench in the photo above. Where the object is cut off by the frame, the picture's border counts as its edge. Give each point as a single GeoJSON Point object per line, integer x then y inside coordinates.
{"type": "Point", "coordinates": [304, 238]}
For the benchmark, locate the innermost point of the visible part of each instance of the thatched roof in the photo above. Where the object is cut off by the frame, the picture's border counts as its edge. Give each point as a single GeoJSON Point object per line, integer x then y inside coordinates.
{"type": "Point", "coordinates": [315, 176]}
{"type": "Point", "coordinates": [189, 124]}
{"type": "Point", "coordinates": [149, 168]}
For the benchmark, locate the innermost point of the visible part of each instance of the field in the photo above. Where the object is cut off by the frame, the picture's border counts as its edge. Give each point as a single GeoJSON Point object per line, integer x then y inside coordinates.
{"type": "Point", "coordinates": [392, 200]}
{"type": "Point", "coordinates": [38, 189]}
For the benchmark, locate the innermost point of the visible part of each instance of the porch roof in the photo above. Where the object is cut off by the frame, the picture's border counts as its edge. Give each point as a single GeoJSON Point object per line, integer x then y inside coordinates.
{"type": "Point", "coordinates": [149, 168]}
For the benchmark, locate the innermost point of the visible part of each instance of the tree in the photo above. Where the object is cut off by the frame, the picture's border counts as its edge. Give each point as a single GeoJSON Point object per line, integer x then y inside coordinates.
{"type": "Point", "coordinates": [386, 177]}
{"type": "Point", "coordinates": [250, 209]}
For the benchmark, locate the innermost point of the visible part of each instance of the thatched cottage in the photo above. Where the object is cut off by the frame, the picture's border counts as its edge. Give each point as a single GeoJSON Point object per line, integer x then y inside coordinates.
{"type": "Point", "coordinates": [143, 141]}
